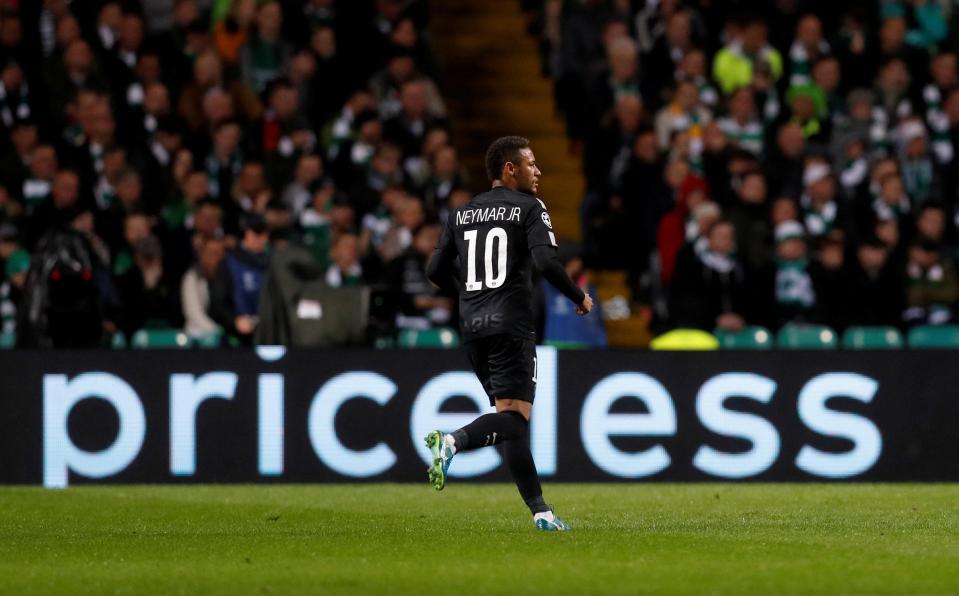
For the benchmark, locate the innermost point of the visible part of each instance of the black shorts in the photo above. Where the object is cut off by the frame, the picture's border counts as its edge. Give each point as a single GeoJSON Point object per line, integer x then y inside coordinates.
{"type": "Point", "coordinates": [505, 365]}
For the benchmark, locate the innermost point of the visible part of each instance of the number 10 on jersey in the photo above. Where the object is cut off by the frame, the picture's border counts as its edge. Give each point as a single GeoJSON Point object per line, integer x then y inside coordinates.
{"type": "Point", "coordinates": [495, 236]}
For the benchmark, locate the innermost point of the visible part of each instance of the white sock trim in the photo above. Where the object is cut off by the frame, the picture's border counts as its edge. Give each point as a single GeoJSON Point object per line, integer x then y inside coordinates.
{"type": "Point", "coordinates": [450, 442]}
{"type": "Point", "coordinates": [547, 515]}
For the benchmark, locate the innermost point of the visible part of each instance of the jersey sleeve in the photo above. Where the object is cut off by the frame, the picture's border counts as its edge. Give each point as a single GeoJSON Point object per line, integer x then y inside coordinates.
{"type": "Point", "coordinates": [439, 269]}
{"type": "Point", "coordinates": [539, 227]}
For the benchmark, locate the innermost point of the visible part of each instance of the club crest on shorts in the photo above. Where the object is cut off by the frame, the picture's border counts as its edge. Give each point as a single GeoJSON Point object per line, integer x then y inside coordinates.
{"type": "Point", "coordinates": [546, 220]}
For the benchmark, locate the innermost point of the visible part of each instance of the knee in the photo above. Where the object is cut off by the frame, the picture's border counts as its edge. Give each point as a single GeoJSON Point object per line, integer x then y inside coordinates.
{"type": "Point", "coordinates": [523, 408]}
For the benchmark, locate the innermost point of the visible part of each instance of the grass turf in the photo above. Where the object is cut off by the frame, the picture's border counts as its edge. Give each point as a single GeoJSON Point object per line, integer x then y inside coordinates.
{"type": "Point", "coordinates": [478, 539]}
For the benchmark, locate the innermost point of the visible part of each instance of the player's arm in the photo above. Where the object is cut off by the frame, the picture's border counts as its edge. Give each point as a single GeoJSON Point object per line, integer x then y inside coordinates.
{"type": "Point", "coordinates": [439, 270]}
{"type": "Point", "coordinates": [544, 257]}
{"type": "Point", "coordinates": [542, 248]}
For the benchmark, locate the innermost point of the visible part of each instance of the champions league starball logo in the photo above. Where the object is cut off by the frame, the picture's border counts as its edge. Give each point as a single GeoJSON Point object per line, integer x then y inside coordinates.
{"type": "Point", "coordinates": [546, 220]}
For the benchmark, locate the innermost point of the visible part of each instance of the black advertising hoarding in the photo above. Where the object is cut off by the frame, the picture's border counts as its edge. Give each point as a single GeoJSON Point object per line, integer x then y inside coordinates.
{"type": "Point", "coordinates": [353, 415]}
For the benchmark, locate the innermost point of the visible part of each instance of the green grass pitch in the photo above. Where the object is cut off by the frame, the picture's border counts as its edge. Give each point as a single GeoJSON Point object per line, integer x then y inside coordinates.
{"type": "Point", "coordinates": [478, 539]}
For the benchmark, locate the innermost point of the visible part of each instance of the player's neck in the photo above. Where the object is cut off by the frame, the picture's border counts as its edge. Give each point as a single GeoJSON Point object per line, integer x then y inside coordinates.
{"type": "Point", "coordinates": [501, 184]}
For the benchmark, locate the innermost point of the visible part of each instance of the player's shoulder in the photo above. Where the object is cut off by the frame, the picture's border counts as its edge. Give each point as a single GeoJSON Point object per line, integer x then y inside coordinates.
{"type": "Point", "coordinates": [514, 197]}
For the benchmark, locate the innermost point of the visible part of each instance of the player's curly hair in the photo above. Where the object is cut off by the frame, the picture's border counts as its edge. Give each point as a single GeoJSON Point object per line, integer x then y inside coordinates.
{"type": "Point", "coordinates": [502, 150]}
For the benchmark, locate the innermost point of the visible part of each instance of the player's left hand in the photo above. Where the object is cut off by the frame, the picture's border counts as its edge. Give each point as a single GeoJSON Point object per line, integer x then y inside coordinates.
{"type": "Point", "coordinates": [586, 306]}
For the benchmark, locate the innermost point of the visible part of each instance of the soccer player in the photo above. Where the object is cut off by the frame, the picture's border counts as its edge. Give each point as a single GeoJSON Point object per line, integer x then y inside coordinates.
{"type": "Point", "coordinates": [486, 253]}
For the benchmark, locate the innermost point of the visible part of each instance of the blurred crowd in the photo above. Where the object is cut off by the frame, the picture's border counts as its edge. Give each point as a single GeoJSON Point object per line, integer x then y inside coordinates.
{"type": "Point", "coordinates": [789, 161]}
{"type": "Point", "coordinates": [157, 153]}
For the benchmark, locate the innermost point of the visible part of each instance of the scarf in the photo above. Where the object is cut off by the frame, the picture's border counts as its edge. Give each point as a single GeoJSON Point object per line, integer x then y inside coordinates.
{"type": "Point", "coordinates": [794, 285]}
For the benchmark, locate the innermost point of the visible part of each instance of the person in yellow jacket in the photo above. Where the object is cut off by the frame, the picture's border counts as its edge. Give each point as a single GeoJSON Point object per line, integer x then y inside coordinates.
{"type": "Point", "coordinates": [746, 56]}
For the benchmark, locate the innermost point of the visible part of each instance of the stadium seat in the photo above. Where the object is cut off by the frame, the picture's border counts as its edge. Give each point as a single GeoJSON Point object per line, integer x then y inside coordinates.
{"type": "Point", "coordinates": [160, 338]}
{"type": "Point", "coordinates": [806, 337]}
{"type": "Point", "coordinates": [7, 341]}
{"type": "Point", "coordinates": [872, 338]}
{"type": "Point", "coordinates": [934, 336]}
{"type": "Point", "coordinates": [750, 338]}
{"type": "Point", "coordinates": [567, 345]}
{"type": "Point", "coordinates": [441, 337]}
{"type": "Point", "coordinates": [208, 340]}
{"type": "Point", "coordinates": [685, 339]}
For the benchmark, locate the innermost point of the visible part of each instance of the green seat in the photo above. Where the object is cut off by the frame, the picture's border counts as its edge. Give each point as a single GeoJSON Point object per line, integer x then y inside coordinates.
{"type": "Point", "coordinates": [118, 341]}
{"type": "Point", "coordinates": [806, 337]}
{"type": "Point", "coordinates": [7, 341]}
{"type": "Point", "coordinates": [160, 338]}
{"type": "Point", "coordinates": [440, 337]}
{"type": "Point", "coordinates": [934, 336]}
{"type": "Point", "coordinates": [872, 338]}
{"type": "Point", "coordinates": [750, 338]}
{"type": "Point", "coordinates": [208, 340]}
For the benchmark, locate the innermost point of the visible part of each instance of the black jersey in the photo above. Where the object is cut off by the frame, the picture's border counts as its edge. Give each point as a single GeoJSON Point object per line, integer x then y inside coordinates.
{"type": "Point", "coordinates": [492, 237]}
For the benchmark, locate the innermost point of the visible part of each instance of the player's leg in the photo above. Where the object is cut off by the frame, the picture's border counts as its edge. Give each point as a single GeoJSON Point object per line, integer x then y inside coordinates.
{"type": "Point", "coordinates": [485, 431]}
{"type": "Point", "coordinates": [486, 355]}
{"type": "Point", "coordinates": [517, 379]}
{"type": "Point", "coordinates": [519, 460]}
{"type": "Point", "coordinates": [497, 362]}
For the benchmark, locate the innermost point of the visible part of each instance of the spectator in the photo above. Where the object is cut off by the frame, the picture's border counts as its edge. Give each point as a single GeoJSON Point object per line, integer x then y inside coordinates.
{"type": "Point", "coordinates": [708, 289]}
{"type": "Point", "coordinates": [418, 302]}
{"type": "Point", "coordinates": [265, 54]}
{"type": "Point", "coordinates": [742, 127]}
{"type": "Point", "coordinates": [875, 294]}
{"type": "Point", "coordinates": [414, 119]}
{"type": "Point", "coordinates": [893, 203]}
{"type": "Point", "coordinates": [830, 278]}
{"type": "Point", "coordinates": [298, 194]}
{"type": "Point", "coordinates": [208, 77]}
{"type": "Point", "coordinates": [445, 175]}
{"type": "Point", "coordinates": [58, 209]}
{"type": "Point", "coordinates": [683, 114]}
{"type": "Point", "coordinates": [785, 166]}
{"type": "Point", "coordinates": [693, 68]}
{"type": "Point", "coordinates": [916, 164]}
{"type": "Point", "coordinates": [944, 79]}
{"type": "Point", "coordinates": [407, 217]}
{"type": "Point", "coordinates": [15, 264]}
{"type": "Point", "coordinates": [14, 96]}
{"type": "Point", "coordinates": [747, 55]}
{"type": "Point", "coordinates": [622, 78]}
{"type": "Point", "coordinates": [351, 157]}
{"type": "Point", "coordinates": [76, 70]}
{"type": "Point", "coordinates": [39, 183]}
{"type": "Point", "coordinates": [137, 227]}
{"type": "Point", "coordinates": [749, 218]}
{"type": "Point", "coordinates": [345, 269]}
{"type": "Point", "coordinates": [196, 287]}
{"type": "Point", "coordinates": [246, 266]}
{"type": "Point", "coordinates": [667, 53]}
{"type": "Point", "coordinates": [562, 326]}
{"type": "Point", "coordinates": [232, 33]}
{"type": "Point", "coordinates": [225, 160]}
{"type": "Point", "coordinates": [808, 47]}
{"type": "Point", "coordinates": [932, 285]}
{"type": "Point", "coordinates": [795, 293]}
{"type": "Point", "coordinates": [148, 291]}
{"type": "Point", "coordinates": [822, 208]}
{"type": "Point", "coordinates": [387, 84]}
{"type": "Point", "coordinates": [333, 80]}
{"type": "Point", "coordinates": [931, 222]}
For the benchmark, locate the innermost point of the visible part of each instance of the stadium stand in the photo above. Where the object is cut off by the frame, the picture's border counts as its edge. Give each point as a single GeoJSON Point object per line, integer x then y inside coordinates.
{"type": "Point", "coordinates": [823, 133]}
{"type": "Point", "coordinates": [748, 169]}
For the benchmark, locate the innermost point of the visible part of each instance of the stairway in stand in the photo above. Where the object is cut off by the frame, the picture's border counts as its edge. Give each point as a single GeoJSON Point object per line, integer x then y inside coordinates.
{"type": "Point", "coordinates": [491, 81]}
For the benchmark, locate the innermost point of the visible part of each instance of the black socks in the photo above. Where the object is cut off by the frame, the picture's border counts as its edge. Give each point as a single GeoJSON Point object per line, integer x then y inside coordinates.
{"type": "Point", "coordinates": [511, 429]}
{"type": "Point", "coordinates": [519, 460]}
{"type": "Point", "coordinates": [491, 429]}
